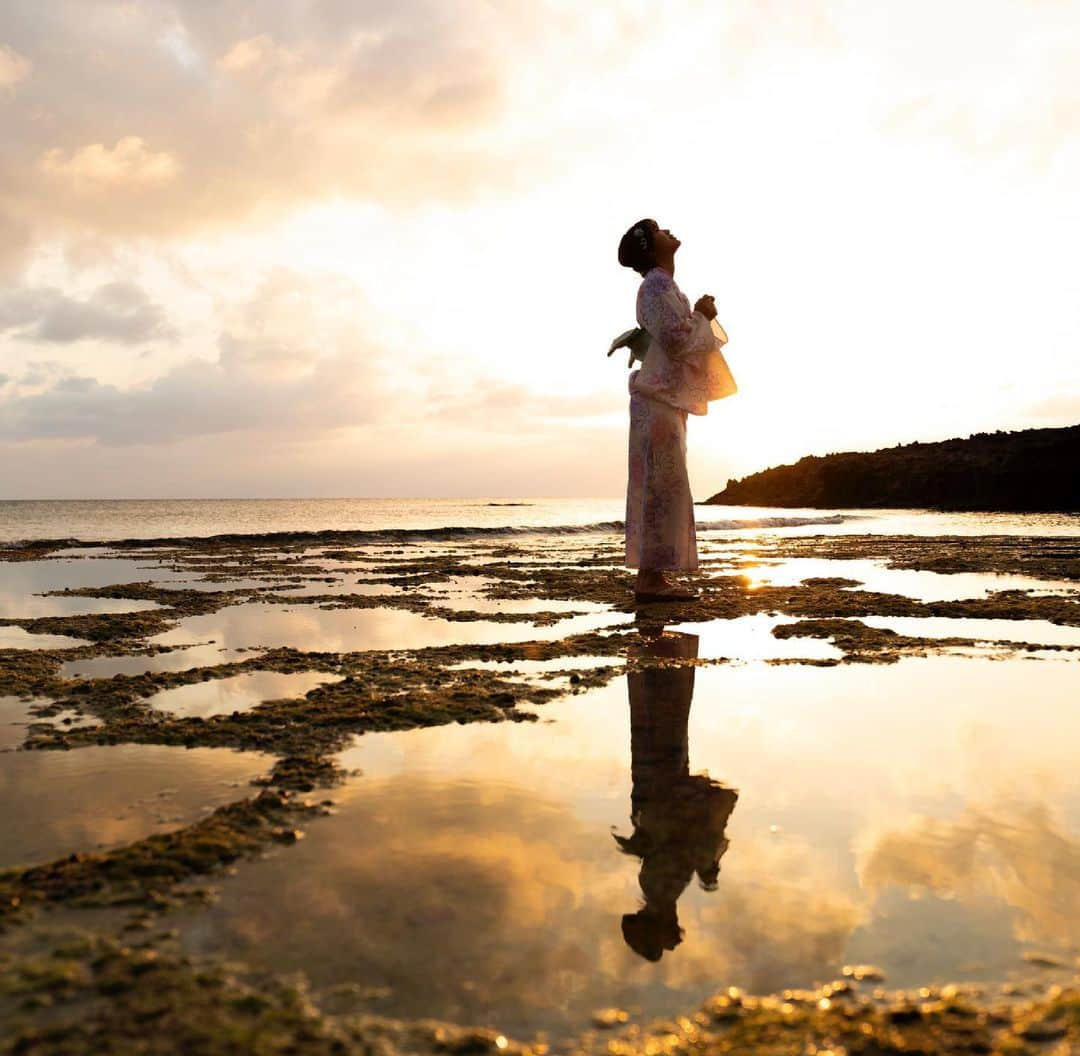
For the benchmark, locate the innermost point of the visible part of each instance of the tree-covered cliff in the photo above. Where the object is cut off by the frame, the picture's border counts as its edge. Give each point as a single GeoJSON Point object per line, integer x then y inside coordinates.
{"type": "Point", "coordinates": [1031, 470]}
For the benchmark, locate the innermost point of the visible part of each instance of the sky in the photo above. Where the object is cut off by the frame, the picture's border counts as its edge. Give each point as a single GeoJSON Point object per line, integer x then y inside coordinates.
{"type": "Point", "coordinates": [368, 247]}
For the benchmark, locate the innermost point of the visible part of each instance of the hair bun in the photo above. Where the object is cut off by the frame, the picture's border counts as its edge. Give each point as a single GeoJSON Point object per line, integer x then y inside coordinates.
{"type": "Point", "coordinates": [636, 247]}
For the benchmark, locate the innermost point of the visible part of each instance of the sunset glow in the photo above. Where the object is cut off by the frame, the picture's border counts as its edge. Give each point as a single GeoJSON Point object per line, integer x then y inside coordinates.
{"type": "Point", "coordinates": [371, 251]}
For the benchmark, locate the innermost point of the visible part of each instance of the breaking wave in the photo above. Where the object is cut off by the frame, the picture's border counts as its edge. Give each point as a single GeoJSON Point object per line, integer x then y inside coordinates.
{"type": "Point", "coordinates": [448, 533]}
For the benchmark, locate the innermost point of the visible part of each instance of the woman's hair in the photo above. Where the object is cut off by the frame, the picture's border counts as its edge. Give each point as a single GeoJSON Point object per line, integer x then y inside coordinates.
{"type": "Point", "coordinates": [636, 247]}
{"type": "Point", "coordinates": [648, 934]}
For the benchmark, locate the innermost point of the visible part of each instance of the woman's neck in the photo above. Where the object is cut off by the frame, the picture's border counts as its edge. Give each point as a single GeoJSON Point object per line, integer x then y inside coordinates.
{"type": "Point", "coordinates": [667, 264]}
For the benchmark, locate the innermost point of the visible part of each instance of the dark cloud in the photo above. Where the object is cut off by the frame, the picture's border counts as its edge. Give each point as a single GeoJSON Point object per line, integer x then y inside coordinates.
{"type": "Point", "coordinates": [119, 312]}
{"type": "Point", "coordinates": [195, 399]}
{"type": "Point", "coordinates": [284, 366]}
{"type": "Point", "coordinates": [269, 386]}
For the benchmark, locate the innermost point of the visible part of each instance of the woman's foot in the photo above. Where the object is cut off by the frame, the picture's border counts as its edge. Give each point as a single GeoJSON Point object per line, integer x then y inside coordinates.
{"type": "Point", "coordinates": [652, 585]}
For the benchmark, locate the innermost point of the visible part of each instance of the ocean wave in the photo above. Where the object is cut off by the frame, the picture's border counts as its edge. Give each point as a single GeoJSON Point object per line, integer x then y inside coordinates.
{"type": "Point", "coordinates": [448, 533]}
{"type": "Point", "coordinates": [774, 522]}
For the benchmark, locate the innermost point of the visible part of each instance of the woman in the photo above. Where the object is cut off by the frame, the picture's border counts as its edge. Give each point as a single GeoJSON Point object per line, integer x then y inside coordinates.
{"type": "Point", "coordinates": [681, 372]}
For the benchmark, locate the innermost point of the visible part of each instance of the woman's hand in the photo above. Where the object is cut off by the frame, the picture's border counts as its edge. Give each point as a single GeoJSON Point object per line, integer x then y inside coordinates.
{"type": "Point", "coordinates": [706, 306]}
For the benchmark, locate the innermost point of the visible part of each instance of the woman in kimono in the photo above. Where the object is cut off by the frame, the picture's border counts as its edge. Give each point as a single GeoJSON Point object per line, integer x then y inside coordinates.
{"type": "Point", "coordinates": [681, 372]}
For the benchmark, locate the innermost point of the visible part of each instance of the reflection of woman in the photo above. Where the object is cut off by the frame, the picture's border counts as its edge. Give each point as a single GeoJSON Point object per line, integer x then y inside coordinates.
{"type": "Point", "coordinates": [680, 374]}
{"type": "Point", "coordinates": [679, 818]}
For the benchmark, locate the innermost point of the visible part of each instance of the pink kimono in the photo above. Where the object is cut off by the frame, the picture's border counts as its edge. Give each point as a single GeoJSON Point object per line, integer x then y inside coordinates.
{"type": "Point", "coordinates": [682, 372]}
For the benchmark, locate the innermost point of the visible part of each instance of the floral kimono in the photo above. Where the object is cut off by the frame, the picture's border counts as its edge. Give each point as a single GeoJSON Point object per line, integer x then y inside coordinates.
{"type": "Point", "coordinates": [683, 370]}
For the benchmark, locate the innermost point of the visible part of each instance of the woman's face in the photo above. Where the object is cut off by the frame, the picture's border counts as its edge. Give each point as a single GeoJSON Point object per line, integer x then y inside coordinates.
{"type": "Point", "coordinates": [663, 240]}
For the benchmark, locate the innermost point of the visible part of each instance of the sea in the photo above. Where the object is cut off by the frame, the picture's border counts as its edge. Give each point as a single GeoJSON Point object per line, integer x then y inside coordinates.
{"type": "Point", "coordinates": [92, 520]}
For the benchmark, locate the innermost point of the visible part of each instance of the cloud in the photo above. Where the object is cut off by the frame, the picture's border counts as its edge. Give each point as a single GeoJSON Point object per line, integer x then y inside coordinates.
{"type": "Point", "coordinates": [15, 242]}
{"type": "Point", "coordinates": [274, 386]}
{"type": "Point", "coordinates": [213, 115]}
{"type": "Point", "coordinates": [496, 404]}
{"type": "Point", "coordinates": [119, 312]}
{"type": "Point", "coordinates": [1018, 854]}
{"type": "Point", "coordinates": [13, 67]}
{"type": "Point", "coordinates": [197, 398]}
{"type": "Point", "coordinates": [202, 123]}
{"type": "Point", "coordinates": [247, 55]}
{"type": "Point", "coordinates": [216, 115]}
{"type": "Point", "coordinates": [128, 164]}
{"type": "Point", "coordinates": [289, 363]}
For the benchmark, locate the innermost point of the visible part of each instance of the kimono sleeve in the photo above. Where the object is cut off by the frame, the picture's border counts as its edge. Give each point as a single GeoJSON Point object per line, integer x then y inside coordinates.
{"type": "Point", "coordinates": [680, 333]}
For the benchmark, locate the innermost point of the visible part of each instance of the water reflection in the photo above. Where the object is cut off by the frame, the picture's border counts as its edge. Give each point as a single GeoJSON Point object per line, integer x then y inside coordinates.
{"type": "Point", "coordinates": [20, 638]}
{"type": "Point", "coordinates": [538, 667]}
{"type": "Point", "coordinates": [877, 576]}
{"type": "Point", "coordinates": [143, 663]}
{"type": "Point", "coordinates": [59, 803]}
{"type": "Point", "coordinates": [490, 843]}
{"type": "Point", "coordinates": [309, 627]}
{"type": "Point", "coordinates": [15, 716]}
{"type": "Point", "coordinates": [743, 639]}
{"type": "Point", "coordinates": [33, 606]}
{"type": "Point", "coordinates": [224, 696]}
{"type": "Point", "coordinates": [34, 577]}
{"type": "Point", "coordinates": [679, 818]}
{"type": "Point", "coordinates": [1018, 854]}
{"type": "Point", "coordinates": [1042, 632]}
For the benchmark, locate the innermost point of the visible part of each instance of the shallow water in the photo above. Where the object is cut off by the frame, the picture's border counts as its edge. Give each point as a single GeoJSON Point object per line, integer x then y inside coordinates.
{"type": "Point", "coordinates": [308, 627]}
{"type": "Point", "coordinates": [315, 587]}
{"type": "Point", "coordinates": [209, 586]}
{"type": "Point", "coordinates": [909, 583]}
{"type": "Point", "coordinates": [93, 570]}
{"type": "Point", "coordinates": [62, 802]}
{"type": "Point", "coordinates": [559, 663]}
{"type": "Point", "coordinates": [20, 638]}
{"type": "Point", "coordinates": [223, 696]}
{"type": "Point", "coordinates": [517, 606]}
{"type": "Point", "coordinates": [15, 717]}
{"type": "Point", "coordinates": [748, 638]}
{"type": "Point", "coordinates": [1040, 632]}
{"type": "Point", "coordinates": [923, 816]}
{"type": "Point", "coordinates": [176, 660]}
{"type": "Point", "coordinates": [31, 606]}
{"type": "Point", "coordinates": [468, 594]}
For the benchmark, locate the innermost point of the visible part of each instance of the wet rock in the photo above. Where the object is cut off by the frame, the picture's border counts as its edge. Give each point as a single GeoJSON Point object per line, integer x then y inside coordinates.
{"type": "Point", "coordinates": [1045, 960]}
{"type": "Point", "coordinates": [863, 973]}
{"type": "Point", "coordinates": [1042, 1030]}
{"type": "Point", "coordinates": [904, 1012]}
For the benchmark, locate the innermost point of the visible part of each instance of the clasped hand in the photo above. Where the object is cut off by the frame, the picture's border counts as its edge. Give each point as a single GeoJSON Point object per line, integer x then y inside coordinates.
{"type": "Point", "coordinates": [706, 306]}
